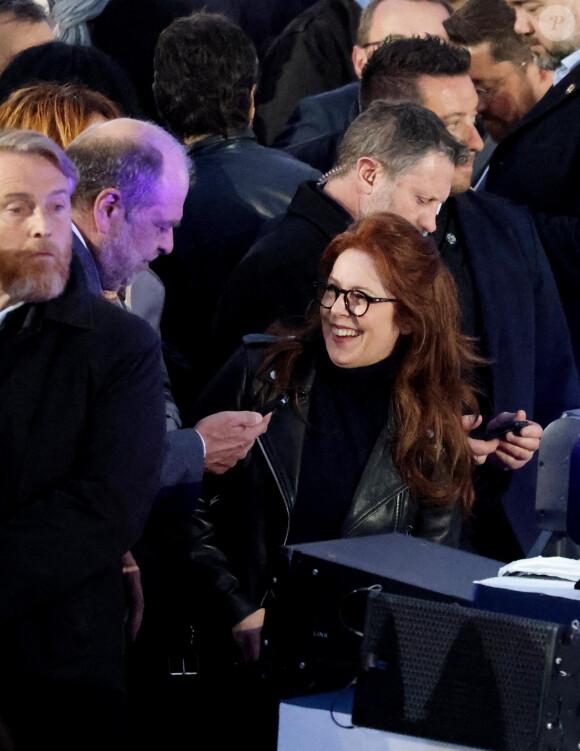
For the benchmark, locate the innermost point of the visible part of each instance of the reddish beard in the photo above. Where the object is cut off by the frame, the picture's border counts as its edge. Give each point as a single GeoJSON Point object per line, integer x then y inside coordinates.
{"type": "Point", "coordinates": [27, 276]}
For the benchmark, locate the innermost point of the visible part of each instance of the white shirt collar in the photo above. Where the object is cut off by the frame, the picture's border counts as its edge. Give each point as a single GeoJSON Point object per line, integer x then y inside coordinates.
{"type": "Point", "coordinates": [75, 230]}
{"type": "Point", "coordinates": [569, 62]}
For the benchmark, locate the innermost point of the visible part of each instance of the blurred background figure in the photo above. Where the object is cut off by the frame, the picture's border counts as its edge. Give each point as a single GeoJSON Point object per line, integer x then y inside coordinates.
{"type": "Point", "coordinates": [507, 80]}
{"type": "Point", "coordinates": [536, 163]}
{"type": "Point", "coordinates": [23, 24]}
{"type": "Point", "coordinates": [311, 55]}
{"type": "Point", "coordinates": [60, 111]}
{"type": "Point", "coordinates": [70, 19]}
{"type": "Point", "coordinates": [65, 63]}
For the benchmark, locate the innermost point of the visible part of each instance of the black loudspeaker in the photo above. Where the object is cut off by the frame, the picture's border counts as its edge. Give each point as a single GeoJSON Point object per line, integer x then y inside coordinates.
{"type": "Point", "coordinates": [316, 617]}
{"type": "Point", "coordinates": [474, 678]}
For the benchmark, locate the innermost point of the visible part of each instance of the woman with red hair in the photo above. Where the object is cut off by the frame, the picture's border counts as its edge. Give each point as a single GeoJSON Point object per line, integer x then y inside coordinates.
{"type": "Point", "coordinates": [366, 435]}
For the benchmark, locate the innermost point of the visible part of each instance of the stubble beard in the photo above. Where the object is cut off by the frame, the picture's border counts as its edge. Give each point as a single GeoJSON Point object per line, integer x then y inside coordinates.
{"type": "Point", "coordinates": [115, 268]}
{"type": "Point", "coordinates": [27, 277]}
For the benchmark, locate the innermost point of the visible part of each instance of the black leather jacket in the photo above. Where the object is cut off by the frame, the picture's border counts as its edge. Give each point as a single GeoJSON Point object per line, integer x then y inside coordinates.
{"type": "Point", "coordinates": [249, 508]}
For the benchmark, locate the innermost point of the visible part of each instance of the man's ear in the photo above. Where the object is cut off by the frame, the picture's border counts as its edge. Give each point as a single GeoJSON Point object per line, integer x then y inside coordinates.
{"type": "Point", "coordinates": [108, 210]}
{"type": "Point", "coordinates": [359, 59]}
{"type": "Point", "coordinates": [366, 171]}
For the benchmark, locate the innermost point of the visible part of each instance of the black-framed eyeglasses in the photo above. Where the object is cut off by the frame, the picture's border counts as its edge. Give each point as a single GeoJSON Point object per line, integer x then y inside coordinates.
{"type": "Point", "coordinates": [356, 302]}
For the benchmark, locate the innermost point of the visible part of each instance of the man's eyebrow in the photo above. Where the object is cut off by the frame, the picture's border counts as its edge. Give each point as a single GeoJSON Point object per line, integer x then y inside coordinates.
{"type": "Point", "coordinates": [28, 197]}
{"type": "Point", "coordinates": [25, 196]}
{"type": "Point", "coordinates": [454, 114]}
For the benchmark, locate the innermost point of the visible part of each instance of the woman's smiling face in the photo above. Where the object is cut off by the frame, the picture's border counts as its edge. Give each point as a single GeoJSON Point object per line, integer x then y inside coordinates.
{"type": "Point", "coordinates": [351, 341]}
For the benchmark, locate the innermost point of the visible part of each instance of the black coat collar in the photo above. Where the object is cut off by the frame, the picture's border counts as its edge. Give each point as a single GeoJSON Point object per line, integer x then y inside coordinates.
{"type": "Point", "coordinates": [568, 87]}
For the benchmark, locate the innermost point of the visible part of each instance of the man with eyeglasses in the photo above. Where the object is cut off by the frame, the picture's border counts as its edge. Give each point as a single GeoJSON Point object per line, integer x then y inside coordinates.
{"type": "Point", "coordinates": [536, 163]}
{"type": "Point", "coordinates": [318, 123]}
{"type": "Point", "coordinates": [504, 73]}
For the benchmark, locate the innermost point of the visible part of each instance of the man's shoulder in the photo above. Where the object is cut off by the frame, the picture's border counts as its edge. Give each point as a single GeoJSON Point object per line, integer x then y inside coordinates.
{"type": "Point", "coordinates": [489, 223]}
{"type": "Point", "coordinates": [286, 162]}
{"type": "Point", "coordinates": [118, 325]}
{"type": "Point", "coordinates": [251, 163]}
{"type": "Point", "coordinates": [343, 95]}
{"type": "Point", "coordinates": [320, 116]}
{"type": "Point", "coordinates": [311, 216]}
{"type": "Point", "coordinates": [321, 14]}
{"type": "Point", "coordinates": [484, 204]}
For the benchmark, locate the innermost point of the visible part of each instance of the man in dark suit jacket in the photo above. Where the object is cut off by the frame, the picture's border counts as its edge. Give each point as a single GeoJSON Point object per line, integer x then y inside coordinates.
{"type": "Point", "coordinates": [536, 163]}
{"type": "Point", "coordinates": [81, 440]}
{"type": "Point", "coordinates": [134, 178]}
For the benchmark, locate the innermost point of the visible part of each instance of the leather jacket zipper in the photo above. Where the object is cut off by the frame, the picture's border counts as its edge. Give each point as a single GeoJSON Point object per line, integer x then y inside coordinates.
{"type": "Point", "coordinates": [282, 493]}
{"type": "Point", "coordinates": [284, 499]}
{"type": "Point", "coordinates": [397, 510]}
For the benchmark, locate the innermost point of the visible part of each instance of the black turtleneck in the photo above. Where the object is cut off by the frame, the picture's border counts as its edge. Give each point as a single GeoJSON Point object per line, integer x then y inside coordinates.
{"type": "Point", "coordinates": [348, 409]}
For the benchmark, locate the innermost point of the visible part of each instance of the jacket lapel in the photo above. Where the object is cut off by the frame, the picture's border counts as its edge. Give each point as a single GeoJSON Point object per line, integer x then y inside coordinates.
{"type": "Point", "coordinates": [379, 474]}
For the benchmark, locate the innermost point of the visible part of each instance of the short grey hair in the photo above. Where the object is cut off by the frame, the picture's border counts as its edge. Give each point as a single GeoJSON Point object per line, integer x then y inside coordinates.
{"type": "Point", "coordinates": [133, 168]}
{"type": "Point", "coordinates": [132, 164]}
{"type": "Point", "coordinates": [398, 135]}
{"type": "Point", "coordinates": [35, 144]}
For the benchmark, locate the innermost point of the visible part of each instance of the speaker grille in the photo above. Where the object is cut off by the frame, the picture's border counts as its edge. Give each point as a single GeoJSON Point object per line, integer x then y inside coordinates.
{"type": "Point", "coordinates": [451, 673]}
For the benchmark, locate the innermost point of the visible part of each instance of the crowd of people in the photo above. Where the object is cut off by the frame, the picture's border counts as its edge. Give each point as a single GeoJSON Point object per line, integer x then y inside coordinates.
{"type": "Point", "coordinates": [270, 273]}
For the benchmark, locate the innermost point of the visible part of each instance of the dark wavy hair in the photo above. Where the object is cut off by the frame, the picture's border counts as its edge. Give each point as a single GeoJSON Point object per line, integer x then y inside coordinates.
{"type": "Point", "coordinates": [205, 69]}
{"type": "Point", "coordinates": [433, 387]}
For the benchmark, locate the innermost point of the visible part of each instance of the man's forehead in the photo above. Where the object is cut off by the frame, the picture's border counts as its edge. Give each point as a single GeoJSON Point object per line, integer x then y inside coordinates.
{"type": "Point", "coordinates": [407, 17]}
{"type": "Point", "coordinates": [30, 170]}
{"type": "Point", "coordinates": [449, 94]}
{"type": "Point", "coordinates": [484, 66]}
{"type": "Point", "coordinates": [435, 168]}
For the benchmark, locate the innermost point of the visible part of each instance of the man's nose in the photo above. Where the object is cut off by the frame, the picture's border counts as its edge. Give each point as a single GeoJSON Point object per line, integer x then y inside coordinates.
{"type": "Point", "coordinates": [474, 142]}
{"type": "Point", "coordinates": [428, 220]}
{"type": "Point", "coordinates": [166, 245]}
{"type": "Point", "coordinates": [40, 225]}
{"type": "Point", "coordinates": [522, 24]}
